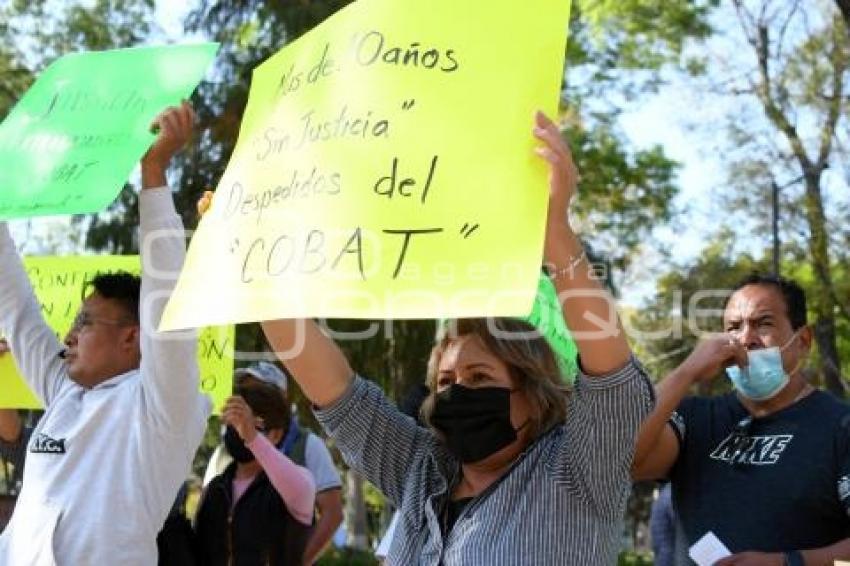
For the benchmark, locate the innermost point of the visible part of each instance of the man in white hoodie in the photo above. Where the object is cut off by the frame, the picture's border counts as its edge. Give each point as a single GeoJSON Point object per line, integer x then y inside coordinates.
{"type": "Point", "coordinates": [123, 415]}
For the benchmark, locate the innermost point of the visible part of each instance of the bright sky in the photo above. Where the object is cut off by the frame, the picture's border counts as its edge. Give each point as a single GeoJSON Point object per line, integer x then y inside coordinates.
{"type": "Point", "coordinates": [661, 121]}
{"type": "Point", "coordinates": [170, 15]}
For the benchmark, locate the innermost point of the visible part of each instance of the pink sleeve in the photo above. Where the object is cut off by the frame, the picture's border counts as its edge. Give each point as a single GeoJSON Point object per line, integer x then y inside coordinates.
{"type": "Point", "coordinates": [295, 484]}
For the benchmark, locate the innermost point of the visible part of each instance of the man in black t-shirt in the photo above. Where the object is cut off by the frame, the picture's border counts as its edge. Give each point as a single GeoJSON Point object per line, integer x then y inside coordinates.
{"type": "Point", "coordinates": [766, 468]}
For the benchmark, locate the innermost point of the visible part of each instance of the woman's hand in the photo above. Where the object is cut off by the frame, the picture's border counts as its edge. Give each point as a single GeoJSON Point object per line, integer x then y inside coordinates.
{"type": "Point", "coordinates": [563, 179]}
{"type": "Point", "coordinates": [587, 307]}
{"type": "Point", "coordinates": [239, 415]}
{"type": "Point", "coordinates": [204, 203]}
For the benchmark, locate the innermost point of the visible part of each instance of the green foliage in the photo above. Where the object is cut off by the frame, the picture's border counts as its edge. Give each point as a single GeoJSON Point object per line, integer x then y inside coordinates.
{"type": "Point", "coordinates": [632, 558]}
{"type": "Point", "coordinates": [801, 271]}
{"type": "Point", "coordinates": [377, 512]}
{"type": "Point", "coordinates": [347, 557]}
{"type": "Point", "coordinates": [212, 438]}
{"type": "Point", "coordinates": [622, 195]}
{"type": "Point", "coordinates": [113, 231]}
{"type": "Point", "coordinates": [617, 51]}
{"type": "Point", "coordinates": [638, 509]}
{"type": "Point", "coordinates": [14, 80]}
{"type": "Point", "coordinates": [644, 34]}
{"type": "Point", "coordinates": [805, 71]}
{"type": "Point", "coordinates": [54, 29]}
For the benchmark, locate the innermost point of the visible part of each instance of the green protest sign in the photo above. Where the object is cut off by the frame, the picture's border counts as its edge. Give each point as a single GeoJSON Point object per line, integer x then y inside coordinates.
{"type": "Point", "coordinates": [71, 142]}
{"type": "Point", "coordinates": [547, 317]}
{"type": "Point", "coordinates": [58, 283]}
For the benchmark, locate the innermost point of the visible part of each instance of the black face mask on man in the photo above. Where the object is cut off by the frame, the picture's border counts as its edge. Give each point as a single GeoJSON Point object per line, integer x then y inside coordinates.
{"type": "Point", "coordinates": [236, 447]}
{"type": "Point", "coordinates": [475, 421]}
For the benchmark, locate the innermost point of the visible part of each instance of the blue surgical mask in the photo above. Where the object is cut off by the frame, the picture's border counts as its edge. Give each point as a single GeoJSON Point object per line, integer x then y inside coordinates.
{"type": "Point", "coordinates": [764, 377]}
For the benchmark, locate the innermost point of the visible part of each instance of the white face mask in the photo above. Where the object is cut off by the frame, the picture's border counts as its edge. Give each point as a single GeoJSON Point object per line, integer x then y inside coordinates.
{"type": "Point", "coordinates": [764, 377]}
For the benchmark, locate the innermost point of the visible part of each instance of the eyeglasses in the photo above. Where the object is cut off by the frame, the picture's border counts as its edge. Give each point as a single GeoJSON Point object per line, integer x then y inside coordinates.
{"type": "Point", "coordinates": [740, 439]}
{"type": "Point", "coordinates": [84, 320]}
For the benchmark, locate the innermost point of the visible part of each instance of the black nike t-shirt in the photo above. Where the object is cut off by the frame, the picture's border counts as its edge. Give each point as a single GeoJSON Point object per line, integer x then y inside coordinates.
{"type": "Point", "coordinates": [777, 483]}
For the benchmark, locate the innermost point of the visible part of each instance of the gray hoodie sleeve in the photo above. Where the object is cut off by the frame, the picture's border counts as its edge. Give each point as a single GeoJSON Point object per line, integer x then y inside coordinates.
{"type": "Point", "coordinates": [169, 367]}
{"type": "Point", "coordinates": [33, 343]}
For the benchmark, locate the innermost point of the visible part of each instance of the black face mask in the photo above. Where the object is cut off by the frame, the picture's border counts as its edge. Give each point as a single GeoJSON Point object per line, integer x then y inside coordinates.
{"type": "Point", "coordinates": [236, 446]}
{"type": "Point", "coordinates": [475, 421]}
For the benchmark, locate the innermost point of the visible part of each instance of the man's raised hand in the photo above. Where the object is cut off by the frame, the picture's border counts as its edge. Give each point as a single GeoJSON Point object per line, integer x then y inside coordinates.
{"type": "Point", "coordinates": [174, 127]}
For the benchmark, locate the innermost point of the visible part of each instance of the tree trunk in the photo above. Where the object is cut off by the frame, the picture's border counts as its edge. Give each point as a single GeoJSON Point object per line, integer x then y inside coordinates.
{"type": "Point", "coordinates": [824, 297]}
{"type": "Point", "coordinates": [844, 7]}
{"type": "Point", "coordinates": [355, 512]}
{"type": "Point", "coordinates": [831, 370]}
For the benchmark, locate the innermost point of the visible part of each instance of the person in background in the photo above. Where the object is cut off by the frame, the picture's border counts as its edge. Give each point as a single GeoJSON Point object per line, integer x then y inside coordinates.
{"type": "Point", "coordinates": [765, 468]}
{"type": "Point", "coordinates": [668, 542]}
{"type": "Point", "coordinates": [175, 541]}
{"type": "Point", "coordinates": [259, 511]}
{"type": "Point", "coordinates": [305, 449]}
{"type": "Point", "coordinates": [14, 437]}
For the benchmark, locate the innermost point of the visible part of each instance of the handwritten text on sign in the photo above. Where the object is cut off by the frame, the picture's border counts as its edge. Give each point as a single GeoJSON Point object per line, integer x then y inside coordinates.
{"type": "Point", "coordinates": [71, 142]}
{"type": "Point", "coordinates": [385, 169]}
{"type": "Point", "coordinates": [58, 283]}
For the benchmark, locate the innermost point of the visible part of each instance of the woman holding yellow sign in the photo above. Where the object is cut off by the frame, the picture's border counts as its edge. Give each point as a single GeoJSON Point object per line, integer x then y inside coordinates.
{"type": "Point", "coordinates": [514, 469]}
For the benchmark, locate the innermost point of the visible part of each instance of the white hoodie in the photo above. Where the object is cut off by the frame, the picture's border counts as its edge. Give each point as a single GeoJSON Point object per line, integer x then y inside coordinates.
{"type": "Point", "coordinates": [104, 464]}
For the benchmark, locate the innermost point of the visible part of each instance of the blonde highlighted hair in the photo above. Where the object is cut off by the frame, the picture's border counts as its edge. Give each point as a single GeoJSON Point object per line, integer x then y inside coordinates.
{"type": "Point", "coordinates": [531, 362]}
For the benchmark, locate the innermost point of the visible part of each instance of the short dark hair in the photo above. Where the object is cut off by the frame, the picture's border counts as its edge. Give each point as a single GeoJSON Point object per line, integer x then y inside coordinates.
{"type": "Point", "coordinates": [792, 294]}
{"type": "Point", "coordinates": [266, 402]}
{"type": "Point", "coordinates": [120, 286]}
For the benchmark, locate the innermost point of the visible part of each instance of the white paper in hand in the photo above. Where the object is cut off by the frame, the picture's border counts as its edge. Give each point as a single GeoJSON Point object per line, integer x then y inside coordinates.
{"type": "Point", "coordinates": [708, 550]}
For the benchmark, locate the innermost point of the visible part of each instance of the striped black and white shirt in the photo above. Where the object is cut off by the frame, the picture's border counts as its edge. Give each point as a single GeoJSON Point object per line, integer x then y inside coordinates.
{"type": "Point", "coordinates": [562, 502]}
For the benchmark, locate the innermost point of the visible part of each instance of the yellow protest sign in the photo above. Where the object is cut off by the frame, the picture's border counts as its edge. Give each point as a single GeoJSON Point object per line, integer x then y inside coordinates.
{"type": "Point", "coordinates": [385, 169]}
{"type": "Point", "coordinates": [58, 283]}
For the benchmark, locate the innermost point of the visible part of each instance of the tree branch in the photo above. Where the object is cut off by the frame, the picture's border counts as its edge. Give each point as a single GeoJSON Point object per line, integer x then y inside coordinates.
{"type": "Point", "coordinates": [838, 58]}
{"type": "Point", "coordinates": [844, 8]}
{"type": "Point", "coordinates": [760, 40]}
{"type": "Point", "coordinates": [845, 311]}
